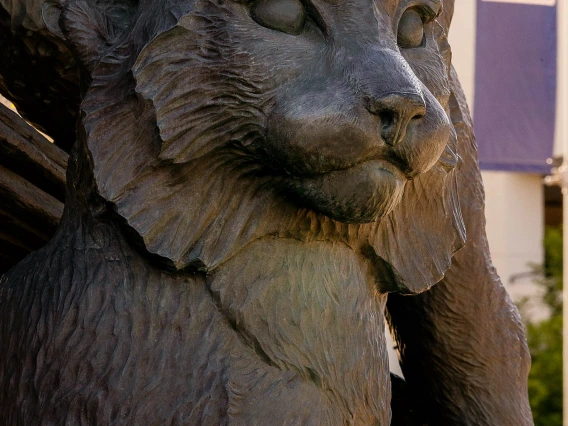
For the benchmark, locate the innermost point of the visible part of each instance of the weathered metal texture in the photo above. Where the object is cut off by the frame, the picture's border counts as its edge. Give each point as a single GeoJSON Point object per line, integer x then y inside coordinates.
{"type": "Point", "coordinates": [251, 179]}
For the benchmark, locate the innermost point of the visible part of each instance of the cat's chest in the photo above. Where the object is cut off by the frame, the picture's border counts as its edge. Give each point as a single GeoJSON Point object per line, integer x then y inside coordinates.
{"type": "Point", "coordinates": [288, 281]}
{"type": "Point", "coordinates": [309, 307]}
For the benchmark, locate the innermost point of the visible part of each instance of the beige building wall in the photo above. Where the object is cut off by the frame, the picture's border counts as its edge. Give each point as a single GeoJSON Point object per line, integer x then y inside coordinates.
{"type": "Point", "coordinates": [462, 40]}
{"type": "Point", "coordinates": [514, 209]}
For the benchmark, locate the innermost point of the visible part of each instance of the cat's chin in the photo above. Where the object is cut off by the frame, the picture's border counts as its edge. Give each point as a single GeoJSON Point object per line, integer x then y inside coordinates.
{"type": "Point", "coordinates": [363, 193]}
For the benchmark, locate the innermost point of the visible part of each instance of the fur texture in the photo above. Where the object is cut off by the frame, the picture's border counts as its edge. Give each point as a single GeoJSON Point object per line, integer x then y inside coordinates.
{"type": "Point", "coordinates": [237, 213]}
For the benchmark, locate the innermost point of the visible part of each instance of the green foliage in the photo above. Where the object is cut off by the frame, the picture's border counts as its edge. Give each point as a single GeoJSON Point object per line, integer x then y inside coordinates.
{"type": "Point", "coordinates": [545, 338]}
{"type": "Point", "coordinates": [545, 378]}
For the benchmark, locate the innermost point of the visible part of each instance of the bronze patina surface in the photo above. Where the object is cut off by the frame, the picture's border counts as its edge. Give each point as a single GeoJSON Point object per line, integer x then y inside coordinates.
{"type": "Point", "coordinates": [255, 187]}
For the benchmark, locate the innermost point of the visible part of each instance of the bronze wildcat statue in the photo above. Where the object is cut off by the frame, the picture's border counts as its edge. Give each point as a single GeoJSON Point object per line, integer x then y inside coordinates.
{"type": "Point", "coordinates": [250, 181]}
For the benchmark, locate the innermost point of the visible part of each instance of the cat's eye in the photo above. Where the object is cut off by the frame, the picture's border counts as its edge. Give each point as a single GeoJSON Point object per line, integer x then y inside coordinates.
{"type": "Point", "coordinates": [410, 29]}
{"type": "Point", "coordinates": [281, 15]}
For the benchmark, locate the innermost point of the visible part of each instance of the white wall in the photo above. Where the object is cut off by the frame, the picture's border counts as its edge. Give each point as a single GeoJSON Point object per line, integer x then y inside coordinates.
{"type": "Point", "coordinates": [514, 209]}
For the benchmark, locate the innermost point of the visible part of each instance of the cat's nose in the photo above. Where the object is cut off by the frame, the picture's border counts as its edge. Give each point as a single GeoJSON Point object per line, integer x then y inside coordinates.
{"type": "Point", "coordinates": [396, 112]}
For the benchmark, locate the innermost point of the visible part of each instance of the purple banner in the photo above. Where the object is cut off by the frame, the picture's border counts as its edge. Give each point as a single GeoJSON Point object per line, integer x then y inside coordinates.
{"type": "Point", "coordinates": [515, 85]}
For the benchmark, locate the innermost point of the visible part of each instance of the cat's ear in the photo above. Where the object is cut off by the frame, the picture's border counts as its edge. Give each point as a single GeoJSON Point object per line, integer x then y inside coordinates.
{"type": "Point", "coordinates": [51, 12]}
{"type": "Point", "coordinates": [89, 28]}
